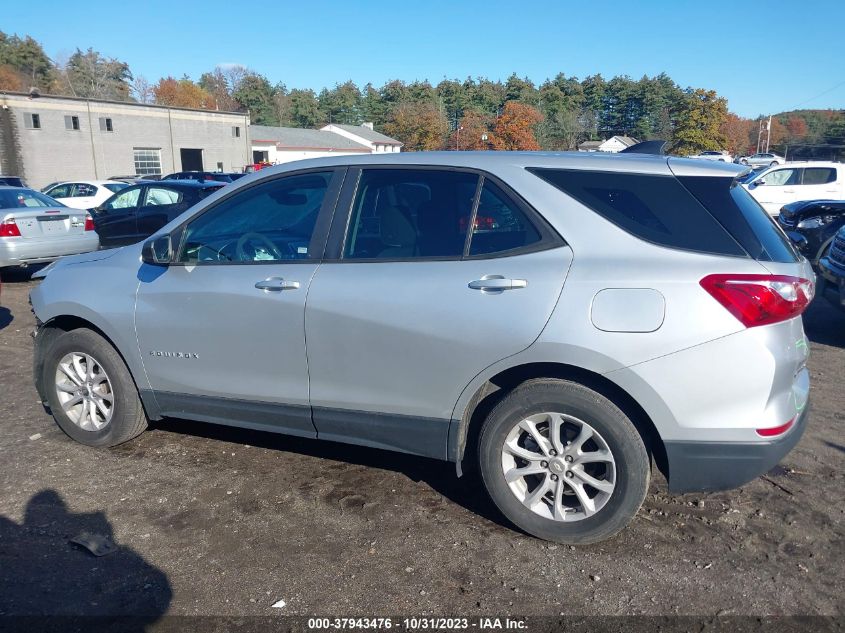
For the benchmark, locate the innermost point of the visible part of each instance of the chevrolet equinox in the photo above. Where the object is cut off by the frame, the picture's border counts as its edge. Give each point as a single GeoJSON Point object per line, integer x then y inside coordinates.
{"type": "Point", "coordinates": [559, 322]}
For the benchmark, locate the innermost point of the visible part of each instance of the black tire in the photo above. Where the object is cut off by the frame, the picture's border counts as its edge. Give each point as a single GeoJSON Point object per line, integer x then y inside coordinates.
{"type": "Point", "coordinates": [773, 163]}
{"type": "Point", "coordinates": [128, 419]}
{"type": "Point", "coordinates": [622, 438]}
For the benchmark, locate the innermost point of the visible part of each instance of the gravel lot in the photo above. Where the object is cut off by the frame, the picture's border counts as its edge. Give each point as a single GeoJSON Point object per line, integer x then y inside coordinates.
{"type": "Point", "coordinates": [217, 521]}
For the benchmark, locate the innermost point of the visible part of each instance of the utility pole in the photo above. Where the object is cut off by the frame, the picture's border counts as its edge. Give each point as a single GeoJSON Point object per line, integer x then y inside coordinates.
{"type": "Point", "coordinates": [768, 132]}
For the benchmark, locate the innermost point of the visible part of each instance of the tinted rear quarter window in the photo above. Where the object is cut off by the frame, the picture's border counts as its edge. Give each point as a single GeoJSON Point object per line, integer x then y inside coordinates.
{"type": "Point", "coordinates": [740, 214]}
{"type": "Point", "coordinates": [654, 208]}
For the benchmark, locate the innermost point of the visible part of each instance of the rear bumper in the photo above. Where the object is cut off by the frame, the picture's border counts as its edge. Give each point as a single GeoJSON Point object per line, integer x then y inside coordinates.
{"type": "Point", "coordinates": [707, 466]}
{"type": "Point", "coordinates": [20, 252]}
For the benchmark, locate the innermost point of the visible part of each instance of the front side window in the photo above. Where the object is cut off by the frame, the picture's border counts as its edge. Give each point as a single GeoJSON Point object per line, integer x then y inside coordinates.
{"type": "Point", "coordinates": [60, 191]}
{"type": "Point", "coordinates": [819, 175]}
{"type": "Point", "coordinates": [499, 225]}
{"type": "Point", "coordinates": [410, 214]}
{"type": "Point", "coordinates": [124, 200]}
{"type": "Point", "coordinates": [272, 221]}
{"type": "Point", "coordinates": [157, 196]}
{"type": "Point", "coordinates": [114, 187]}
{"type": "Point", "coordinates": [782, 178]}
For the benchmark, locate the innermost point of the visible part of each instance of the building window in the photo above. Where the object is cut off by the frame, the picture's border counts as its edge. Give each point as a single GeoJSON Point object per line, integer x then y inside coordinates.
{"type": "Point", "coordinates": [147, 161]}
{"type": "Point", "coordinates": [236, 131]}
{"type": "Point", "coordinates": [106, 124]}
{"type": "Point", "coordinates": [32, 121]}
{"type": "Point", "coordinates": [72, 123]}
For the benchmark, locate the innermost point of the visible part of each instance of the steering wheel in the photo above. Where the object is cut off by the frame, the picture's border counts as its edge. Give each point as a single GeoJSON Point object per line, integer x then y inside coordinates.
{"type": "Point", "coordinates": [246, 237]}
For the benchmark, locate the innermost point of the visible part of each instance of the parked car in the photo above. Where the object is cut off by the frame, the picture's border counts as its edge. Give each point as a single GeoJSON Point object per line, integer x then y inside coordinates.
{"type": "Point", "coordinates": [140, 210]}
{"type": "Point", "coordinates": [12, 181]}
{"type": "Point", "coordinates": [812, 224]}
{"type": "Point", "coordinates": [136, 178]}
{"type": "Point", "coordinates": [34, 228]}
{"type": "Point", "coordinates": [764, 159]}
{"type": "Point", "coordinates": [722, 157]}
{"type": "Point", "coordinates": [84, 194]}
{"type": "Point", "coordinates": [203, 176]}
{"type": "Point", "coordinates": [518, 345]}
{"type": "Point", "coordinates": [832, 271]}
{"type": "Point", "coordinates": [775, 187]}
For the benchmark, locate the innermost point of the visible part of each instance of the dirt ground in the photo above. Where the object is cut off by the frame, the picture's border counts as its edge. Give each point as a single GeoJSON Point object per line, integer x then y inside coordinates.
{"type": "Point", "coordinates": [217, 521]}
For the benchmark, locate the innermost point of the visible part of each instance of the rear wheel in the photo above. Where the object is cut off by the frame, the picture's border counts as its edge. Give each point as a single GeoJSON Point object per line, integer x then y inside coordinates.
{"type": "Point", "coordinates": [90, 391]}
{"type": "Point", "coordinates": [773, 163]}
{"type": "Point", "coordinates": [562, 462]}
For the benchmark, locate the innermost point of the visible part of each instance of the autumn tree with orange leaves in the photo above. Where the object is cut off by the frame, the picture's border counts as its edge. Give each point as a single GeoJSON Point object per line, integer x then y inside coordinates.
{"type": "Point", "coordinates": [471, 132]}
{"type": "Point", "coordinates": [514, 130]}
{"type": "Point", "coordinates": [420, 126]}
{"type": "Point", "coordinates": [182, 93]}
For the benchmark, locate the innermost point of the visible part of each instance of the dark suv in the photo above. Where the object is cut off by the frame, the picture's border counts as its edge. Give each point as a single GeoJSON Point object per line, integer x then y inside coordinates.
{"type": "Point", "coordinates": [142, 209]}
{"type": "Point", "coordinates": [812, 224]}
{"type": "Point", "coordinates": [832, 269]}
{"type": "Point", "coordinates": [204, 176]}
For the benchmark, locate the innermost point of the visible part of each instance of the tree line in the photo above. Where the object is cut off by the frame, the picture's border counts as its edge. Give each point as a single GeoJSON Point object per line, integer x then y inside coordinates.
{"type": "Point", "coordinates": [475, 113]}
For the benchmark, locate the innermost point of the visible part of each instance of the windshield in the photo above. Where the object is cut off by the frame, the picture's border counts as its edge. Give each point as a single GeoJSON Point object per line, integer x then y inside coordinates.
{"type": "Point", "coordinates": [25, 199]}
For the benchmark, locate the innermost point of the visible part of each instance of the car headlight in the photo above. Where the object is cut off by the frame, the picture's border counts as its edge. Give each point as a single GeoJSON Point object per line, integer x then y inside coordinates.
{"type": "Point", "coordinates": [816, 222]}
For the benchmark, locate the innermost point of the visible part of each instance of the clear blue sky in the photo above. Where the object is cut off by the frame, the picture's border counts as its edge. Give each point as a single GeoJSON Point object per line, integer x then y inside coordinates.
{"type": "Point", "coordinates": [764, 57]}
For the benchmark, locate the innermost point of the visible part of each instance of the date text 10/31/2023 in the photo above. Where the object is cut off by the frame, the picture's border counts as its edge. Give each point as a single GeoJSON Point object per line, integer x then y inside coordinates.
{"type": "Point", "coordinates": [418, 623]}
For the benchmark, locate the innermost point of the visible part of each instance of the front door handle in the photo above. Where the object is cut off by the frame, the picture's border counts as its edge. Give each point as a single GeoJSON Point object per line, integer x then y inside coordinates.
{"type": "Point", "coordinates": [276, 284]}
{"type": "Point", "coordinates": [497, 284]}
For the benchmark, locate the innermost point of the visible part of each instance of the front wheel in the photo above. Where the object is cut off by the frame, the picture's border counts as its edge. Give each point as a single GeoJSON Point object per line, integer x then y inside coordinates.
{"type": "Point", "coordinates": [90, 391]}
{"type": "Point", "coordinates": [773, 163]}
{"type": "Point", "coordinates": [562, 462]}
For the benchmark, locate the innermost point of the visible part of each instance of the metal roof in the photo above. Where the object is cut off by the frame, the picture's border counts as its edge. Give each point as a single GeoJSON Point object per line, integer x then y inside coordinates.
{"type": "Point", "coordinates": [300, 138]}
{"type": "Point", "coordinates": [368, 134]}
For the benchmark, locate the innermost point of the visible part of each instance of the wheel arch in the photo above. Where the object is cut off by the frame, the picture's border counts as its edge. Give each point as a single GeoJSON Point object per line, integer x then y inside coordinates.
{"type": "Point", "coordinates": [56, 325]}
{"type": "Point", "coordinates": [463, 441]}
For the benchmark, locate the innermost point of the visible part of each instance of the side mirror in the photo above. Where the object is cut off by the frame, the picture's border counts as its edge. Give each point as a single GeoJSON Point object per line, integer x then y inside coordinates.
{"type": "Point", "coordinates": [759, 183]}
{"type": "Point", "coordinates": [158, 251]}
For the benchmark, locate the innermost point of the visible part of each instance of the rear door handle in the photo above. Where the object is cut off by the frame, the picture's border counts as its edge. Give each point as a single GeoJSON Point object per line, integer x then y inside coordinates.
{"type": "Point", "coordinates": [276, 284]}
{"type": "Point", "coordinates": [497, 283]}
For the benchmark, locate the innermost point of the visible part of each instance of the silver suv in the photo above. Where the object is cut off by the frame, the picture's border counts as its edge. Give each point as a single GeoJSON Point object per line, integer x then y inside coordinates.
{"type": "Point", "coordinates": [560, 322]}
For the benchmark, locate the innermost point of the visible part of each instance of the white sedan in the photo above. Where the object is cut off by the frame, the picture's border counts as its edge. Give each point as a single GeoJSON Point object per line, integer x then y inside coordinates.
{"type": "Point", "coordinates": [723, 157]}
{"type": "Point", "coordinates": [84, 194]}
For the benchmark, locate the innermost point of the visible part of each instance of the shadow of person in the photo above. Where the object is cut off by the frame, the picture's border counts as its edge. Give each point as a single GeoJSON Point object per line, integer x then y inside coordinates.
{"type": "Point", "coordinates": [5, 317]}
{"type": "Point", "coordinates": [47, 583]}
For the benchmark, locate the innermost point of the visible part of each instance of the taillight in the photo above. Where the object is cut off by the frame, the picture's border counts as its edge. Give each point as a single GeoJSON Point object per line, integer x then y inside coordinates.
{"type": "Point", "coordinates": [776, 430]}
{"type": "Point", "coordinates": [8, 228]}
{"type": "Point", "coordinates": [760, 299]}
{"type": "Point", "coordinates": [89, 222]}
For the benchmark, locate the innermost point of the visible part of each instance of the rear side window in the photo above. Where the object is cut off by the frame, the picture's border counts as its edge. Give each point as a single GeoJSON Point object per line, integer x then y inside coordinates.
{"type": "Point", "coordinates": [654, 208]}
{"type": "Point", "coordinates": [410, 214]}
{"type": "Point", "coordinates": [157, 196]}
{"type": "Point", "coordinates": [819, 175]}
{"type": "Point", "coordinates": [746, 220]}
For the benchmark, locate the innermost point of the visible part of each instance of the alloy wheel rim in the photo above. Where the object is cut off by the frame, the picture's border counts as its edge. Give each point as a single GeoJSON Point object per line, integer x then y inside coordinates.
{"type": "Point", "coordinates": [558, 466]}
{"type": "Point", "coordinates": [84, 391]}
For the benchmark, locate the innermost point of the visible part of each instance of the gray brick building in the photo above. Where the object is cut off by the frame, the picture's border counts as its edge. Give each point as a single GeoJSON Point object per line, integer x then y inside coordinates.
{"type": "Point", "coordinates": [46, 139]}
